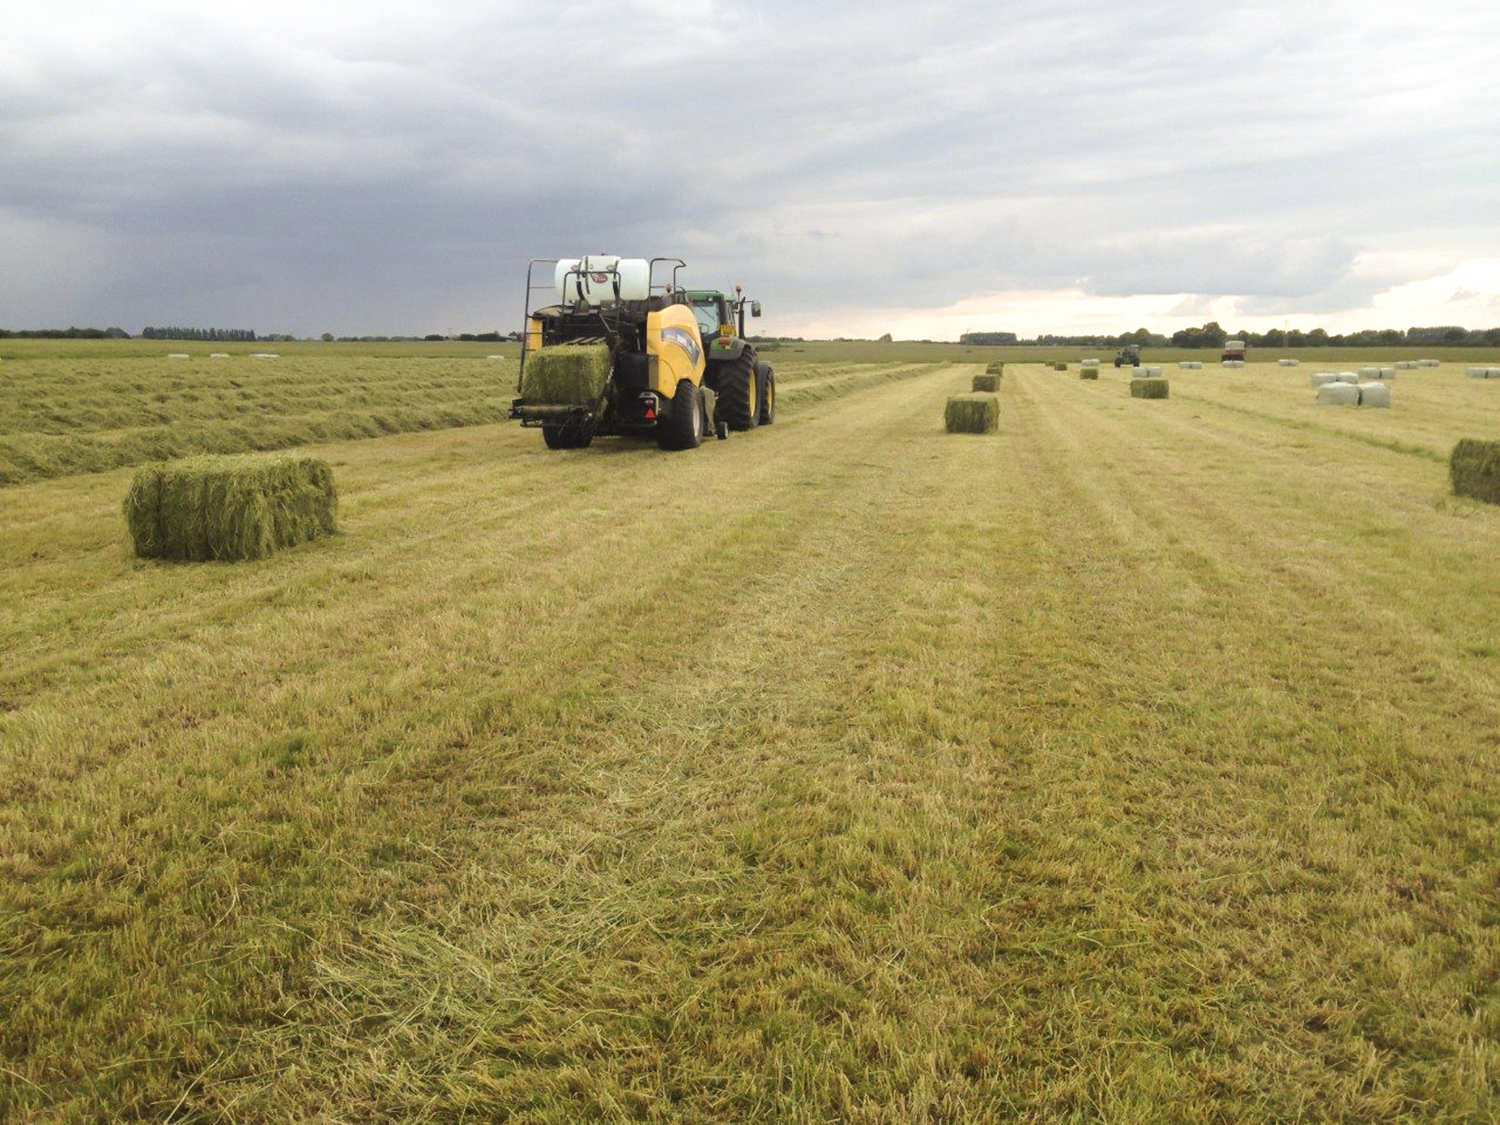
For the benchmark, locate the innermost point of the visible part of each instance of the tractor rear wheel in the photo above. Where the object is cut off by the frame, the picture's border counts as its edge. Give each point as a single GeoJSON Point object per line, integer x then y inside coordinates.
{"type": "Point", "coordinates": [683, 428]}
{"type": "Point", "coordinates": [767, 376]}
{"type": "Point", "coordinates": [569, 435]}
{"type": "Point", "coordinates": [739, 395]}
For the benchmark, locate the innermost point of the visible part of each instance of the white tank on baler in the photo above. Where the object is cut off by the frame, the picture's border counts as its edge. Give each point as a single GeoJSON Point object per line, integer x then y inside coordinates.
{"type": "Point", "coordinates": [594, 277]}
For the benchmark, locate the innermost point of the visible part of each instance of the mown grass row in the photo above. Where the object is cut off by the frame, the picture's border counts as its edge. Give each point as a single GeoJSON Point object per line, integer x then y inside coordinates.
{"type": "Point", "coordinates": [1127, 766]}
{"type": "Point", "coordinates": [78, 416]}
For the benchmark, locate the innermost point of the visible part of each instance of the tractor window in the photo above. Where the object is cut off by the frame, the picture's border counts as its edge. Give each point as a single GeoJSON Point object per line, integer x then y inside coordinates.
{"type": "Point", "coordinates": [708, 319]}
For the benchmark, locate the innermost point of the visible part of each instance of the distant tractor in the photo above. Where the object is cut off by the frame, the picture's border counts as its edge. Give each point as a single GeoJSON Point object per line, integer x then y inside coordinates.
{"type": "Point", "coordinates": [1129, 354]}
{"type": "Point", "coordinates": [620, 352]}
{"type": "Point", "coordinates": [1233, 349]}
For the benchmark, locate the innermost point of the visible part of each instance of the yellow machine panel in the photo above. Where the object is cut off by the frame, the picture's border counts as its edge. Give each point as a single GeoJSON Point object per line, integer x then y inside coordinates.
{"type": "Point", "coordinates": [672, 336]}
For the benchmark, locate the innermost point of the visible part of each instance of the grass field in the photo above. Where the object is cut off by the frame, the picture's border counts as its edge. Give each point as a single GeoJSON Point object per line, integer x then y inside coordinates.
{"type": "Point", "coordinates": [1136, 763]}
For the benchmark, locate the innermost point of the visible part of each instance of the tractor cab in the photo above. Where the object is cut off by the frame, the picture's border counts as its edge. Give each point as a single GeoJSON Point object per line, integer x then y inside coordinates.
{"type": "Point", "coordinates": [718, 314]}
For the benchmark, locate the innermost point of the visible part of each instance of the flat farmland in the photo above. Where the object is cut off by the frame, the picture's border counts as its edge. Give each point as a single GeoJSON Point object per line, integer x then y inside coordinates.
{"type": "Point", "coordinates": [1134, 763]}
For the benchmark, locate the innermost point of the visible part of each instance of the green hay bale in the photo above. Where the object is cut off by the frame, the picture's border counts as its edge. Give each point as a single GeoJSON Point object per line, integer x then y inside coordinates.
{"type": "Point", "coordinates": [996, 368]}
{"type": "Point", "coordinates": [229, 507]}
{"type": "Point", "coordinates": [1474, 469]}
{"type": "Point", "coordinates": [972, 414]}
{"type": "Point", "coordinates": [566, 375]}
{"type": "Point", "coordinates": [1148, 388]}
{"type": "Point", "coordinates": [990, 383]}
{"type": "Point", "coordinates": [1089, 373]}
{"type": "Point", "coordinates": [1059, 367]}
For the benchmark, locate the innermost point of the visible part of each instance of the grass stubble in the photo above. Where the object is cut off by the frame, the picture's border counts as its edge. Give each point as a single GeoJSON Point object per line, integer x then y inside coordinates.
{"type": "Point", "coordinates": [1114, 769]}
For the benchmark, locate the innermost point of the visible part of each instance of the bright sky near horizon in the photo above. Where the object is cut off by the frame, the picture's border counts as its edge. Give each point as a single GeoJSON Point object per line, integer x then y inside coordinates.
{"type": "Point", "coordinates": [920, 169]}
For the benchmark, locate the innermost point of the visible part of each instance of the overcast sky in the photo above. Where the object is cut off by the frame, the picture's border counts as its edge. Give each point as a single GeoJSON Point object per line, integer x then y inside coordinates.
{"type": "Point", "coordinates": [919, 168]}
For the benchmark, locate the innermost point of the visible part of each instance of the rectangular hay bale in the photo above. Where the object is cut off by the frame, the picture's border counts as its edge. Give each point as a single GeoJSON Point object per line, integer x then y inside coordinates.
{"type": "Point", "coordinates": [989, 383]}
{"type": "Point", "coordinates": [1088, 373]}
{"type": "Point", "coordinates": [972, 414]}
{"type": "Point", "coordinates": [1150, 387]}
{"type": "Point", "coordinates": [996, 368]}
{"type": "Point", "coordinates": [243, 506]}
{"type": "Point", "coordinates": [566, 375]}
{"type": "Point", "coordinates": [1474, 469]}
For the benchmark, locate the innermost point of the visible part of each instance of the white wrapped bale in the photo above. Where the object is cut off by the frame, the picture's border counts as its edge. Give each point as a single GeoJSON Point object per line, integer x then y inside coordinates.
{"type": "Point", "coordinates": [218, 355]}
{"type": "Point", "coordinates": [1234, 363]}
{"type": "Point", "coordinates": [1288, 363]}
{"type": "Point", "coordinates": [1348, 377]}
{"type": "Point", "coordinates": [1387, 373]}
{"type": "Point", "coordinates": [1407, 365]}
{"type": "Point", "coordinates": [1374, 394]}
{"type": "Point", "coordinates": [1492, 372]}
{"type": "Point", "coordinates": [1091, 363]}
{"type": "Point", "coordinates": [1320, 378]}
{"type": "Point", "coordinates": [177, 355]}
{"type": "Point", "coordinates": [1338, 394]}
{"type": "Point", "coordinates": [1430, 362]}
{"type": "Point", "coordinates": [1369, 372]}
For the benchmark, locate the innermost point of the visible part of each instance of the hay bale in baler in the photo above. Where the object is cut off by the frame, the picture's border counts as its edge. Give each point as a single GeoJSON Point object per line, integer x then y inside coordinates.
{"type": "Point", "coordinates": [566, 375]}
{"type": "Point", "coordinates": [986, 383]}
{"type": "Point", "coordinates": [229, 507]}
{"type": "Point", "coordinates": [972, 414]}
{"type": "Point", "coordinates": [1150, 387]}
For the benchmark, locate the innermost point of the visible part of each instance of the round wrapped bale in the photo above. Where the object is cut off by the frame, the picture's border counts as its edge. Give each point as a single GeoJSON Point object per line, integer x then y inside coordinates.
{"type": "Point", "coordinates": [1492, 372]}
{"type": "Point", "coordinates": [1151, 387]}
{"type": "Point", "coordinates": [229, 507]}
{"type": "Point", "coordinates": [1369, 373]}
{"type": "Point", "coordinates": [1477, 372]}
{"type": "Point", "coordinates": [972, 414]}
{"type": "Point", "coordinates": [1348, 377]}
{"type": "Point", "coordinates": [1430, 362]}
{"type": "Point", "coordinates": [1406, 365]}
{"type": "Point", "coordinates": [1374, 394]}
{"type": "Point", "coordinates": [1338, 394]}
{"type": "Point", "coordinates": [1234, 363]}
{"type": "Point", "coordinates": [1091, 363]}
{"type": "Point", "coordinates": [1319, 378]}
{"type": "Point", "coordinates": [1474, 469]}
{"type": "Point", "coordinates": [566, 375]}
{"type": "Point", "coordinates": [1288, 363]}
{"type": "Point", "coordinates": [986, 383]}
{"type": "Point", "coordinates": [1387, 373]}
{"type": "Point", "coordinates": [1190, 364]}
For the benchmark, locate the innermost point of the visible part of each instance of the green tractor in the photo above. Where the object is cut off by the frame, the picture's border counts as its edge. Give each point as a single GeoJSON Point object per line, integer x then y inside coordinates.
{"type": "Point", "coordinates": [744, 383]}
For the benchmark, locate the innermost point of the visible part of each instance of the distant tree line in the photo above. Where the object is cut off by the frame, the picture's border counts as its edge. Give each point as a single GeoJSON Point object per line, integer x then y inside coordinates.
{"type": "Point", "coordinates": [64, 334]}
{"type": "Point", "coordinates": [225, 335]}
{"type": "Point", "coordinates": [1213, 336]}
{"type": "Point", "coordinates": [988, 338]}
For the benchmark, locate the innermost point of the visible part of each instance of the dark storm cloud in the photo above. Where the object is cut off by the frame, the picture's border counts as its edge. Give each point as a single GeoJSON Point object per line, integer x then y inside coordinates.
{"type": "Point", "coordinates": [380, 167]}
